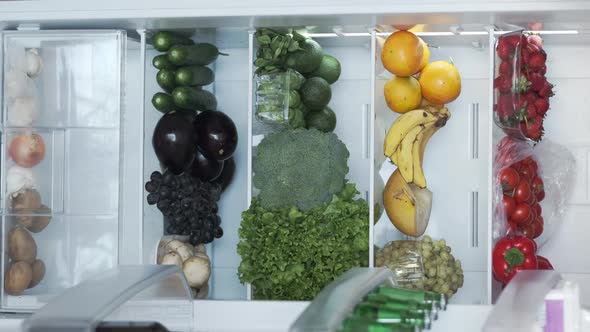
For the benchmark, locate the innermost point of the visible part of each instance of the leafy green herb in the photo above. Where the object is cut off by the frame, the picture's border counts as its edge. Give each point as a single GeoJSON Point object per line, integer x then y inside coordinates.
{"type": "Point", "coordinates": [289, 254]}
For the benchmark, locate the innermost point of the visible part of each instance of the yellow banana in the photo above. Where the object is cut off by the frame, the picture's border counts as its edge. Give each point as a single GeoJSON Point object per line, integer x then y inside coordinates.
{"type": "Point", "coordinates": [405, 159]}
{"type": "Point", "coordinates": [402, 126]}
{"type": "Point", "coordinates": [395, 156]}
{"type": "Point", "coordinates": [418, 154]}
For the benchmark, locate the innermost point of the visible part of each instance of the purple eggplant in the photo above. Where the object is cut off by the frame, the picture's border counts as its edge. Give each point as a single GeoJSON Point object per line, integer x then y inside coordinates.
{"type": "Point", "coordinates": [227, 174]}
{"type": "Point", "coordinates": [206, 169]}
{"type": "Point", "coordinates": [217, 134]}
{"type": "Point", "coordinates": [174, 142]}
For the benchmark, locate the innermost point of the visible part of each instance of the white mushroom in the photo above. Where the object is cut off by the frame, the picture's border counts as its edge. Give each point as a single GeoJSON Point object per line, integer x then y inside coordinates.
{"type": "Point", "coordinates": [200, 249]}
{"type": "Point", "coordinates": [197, 271]}
{"type": "Point", "coordinates": [203, 292]}
{"type": "Point", "coordinates": [34, 62]}
{"type": "Point", "coordinates": [185, 250]}
{"type": "Point", "coordinates": [172, 258]}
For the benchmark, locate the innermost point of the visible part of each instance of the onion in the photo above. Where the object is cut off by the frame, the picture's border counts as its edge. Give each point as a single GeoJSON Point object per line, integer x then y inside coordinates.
{"type": "Point", "coordinates": [33, 62]}
{"type": "Point", "coordinates": [27, 150]}
{"type": "Point", "coordinates": [23, 111]}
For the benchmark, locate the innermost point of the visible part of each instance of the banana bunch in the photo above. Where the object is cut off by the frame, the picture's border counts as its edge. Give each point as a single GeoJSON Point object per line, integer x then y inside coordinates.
{"type": "Point", "coordinates": [407, 138]}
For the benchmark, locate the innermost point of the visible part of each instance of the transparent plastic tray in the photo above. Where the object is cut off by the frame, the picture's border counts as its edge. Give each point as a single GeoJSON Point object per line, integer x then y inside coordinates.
{"type": "Point", "coordinates": [61, 156]}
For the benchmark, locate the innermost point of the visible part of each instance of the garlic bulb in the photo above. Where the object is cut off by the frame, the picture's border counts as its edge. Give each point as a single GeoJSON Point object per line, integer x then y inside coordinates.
{"type": "Point", "coordinates": [18, 179]}
{"type": "Point", "coordinates": [16, 83]}
{"type": "Point", "coordinates": [23, 111]}
{"type": "Point", "coordinates": [34, 62]}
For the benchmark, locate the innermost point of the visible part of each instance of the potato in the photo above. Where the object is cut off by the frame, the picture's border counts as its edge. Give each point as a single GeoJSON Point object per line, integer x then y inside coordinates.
{"type": "Point", "coordinates": [26, 221]}
{"type": "Point", "coordinates": [27, 202]}
{"type": "Point", "coordinates": [40, 222]}
{"type": "Point", "coordinates": [21, 246]}
{"type": "Point", "coordinates": [17, 278]}
{"type": "Point", "coordinates": [38, 269]}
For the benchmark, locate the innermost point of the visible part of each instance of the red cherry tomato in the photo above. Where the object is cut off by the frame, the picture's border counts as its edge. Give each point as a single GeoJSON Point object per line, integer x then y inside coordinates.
{"type": "Point", "coordinates": [534, 166]}
{"type": "Point", "coordinates": [539, 225]}
{"type": "Point", "coordinates": [528, 231]}
{"type": "Point", "coordinates": [509, 179]}
{"type": "Point", "coordinates": [532, 200]}
{"type": "Point", "coordinates": [537, 208]}
{"type": "Point", "coordinates": [540, 195]}
{"type": "Point", "coordinates": [522, 191]}
{"type": "Point", "coordinates": [522, 214]}
{"type": "Point", "coordinates": [526, 171]}
{"type": "Point", "coordinates": [509, 205]}
{"type": "Point", "coordinates": [543, 263]}
{"type": "Point", "coordinates": [537, 185]}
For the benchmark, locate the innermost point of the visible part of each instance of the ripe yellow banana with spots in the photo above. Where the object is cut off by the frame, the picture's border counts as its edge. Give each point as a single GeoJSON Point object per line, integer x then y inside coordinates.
{"type": "Point", "coordinates": [418, 154]}
{"type": "Point", "coordinates": [405, 159]}
{"type": "Point", "coordinates": [403, 125]}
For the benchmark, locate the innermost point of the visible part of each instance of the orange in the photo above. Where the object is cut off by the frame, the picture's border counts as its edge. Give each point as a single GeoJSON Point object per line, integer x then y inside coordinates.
{"type": "Point", "coordinates": [425, 103]}
{"type": "Point", "coordinates": [440, 82]}
{"type": "Point", "coordinates": [402, 94]}
{"type": "Point", "coordinates": [425, 56]}
{"type": "Point", "coordinates": [402, 53]}
{"type": "Point", "coordinates": [404, 27]}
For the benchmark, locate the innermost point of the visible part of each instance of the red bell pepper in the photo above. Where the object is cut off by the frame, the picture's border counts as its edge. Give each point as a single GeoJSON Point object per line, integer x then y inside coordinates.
{"type": "Point", "coordinates": [544, 263]}
{"type": "Point", "coordinates": [512, 254]}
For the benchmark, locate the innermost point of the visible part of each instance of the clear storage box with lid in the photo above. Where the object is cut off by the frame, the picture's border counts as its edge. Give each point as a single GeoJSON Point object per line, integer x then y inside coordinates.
{"type": "Point", "coordinates": [62, 111]}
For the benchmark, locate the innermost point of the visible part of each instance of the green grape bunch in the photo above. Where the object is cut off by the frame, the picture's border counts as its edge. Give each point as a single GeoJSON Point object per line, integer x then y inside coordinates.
{"type": "Point", "coordinates": [422, 264]}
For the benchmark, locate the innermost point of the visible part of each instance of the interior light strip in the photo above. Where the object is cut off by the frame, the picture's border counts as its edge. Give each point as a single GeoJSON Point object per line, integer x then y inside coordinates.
{"type": "Point", "coordinates": [545, 32]}
{"type": "Point", "coordinates": [439, 33]}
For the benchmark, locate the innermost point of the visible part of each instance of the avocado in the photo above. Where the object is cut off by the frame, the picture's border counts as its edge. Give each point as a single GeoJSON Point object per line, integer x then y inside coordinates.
{"type": "Point", "coordinates": [315, 93]}
{"type": "Point", "coordinates": [307, 59]}
{"type": "Point", "coordinates": [329, 69]}
{"type": "Point", "coordinates": [324, 120]}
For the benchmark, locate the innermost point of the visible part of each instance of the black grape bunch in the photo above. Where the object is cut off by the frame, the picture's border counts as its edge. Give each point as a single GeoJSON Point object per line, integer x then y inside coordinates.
{"type": "Point", "coordinates": [188, 204]}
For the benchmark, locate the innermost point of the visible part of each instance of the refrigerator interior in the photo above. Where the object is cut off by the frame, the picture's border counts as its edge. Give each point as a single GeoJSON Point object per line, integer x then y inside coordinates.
{"type": "Point", "coordinates": [85, 238]}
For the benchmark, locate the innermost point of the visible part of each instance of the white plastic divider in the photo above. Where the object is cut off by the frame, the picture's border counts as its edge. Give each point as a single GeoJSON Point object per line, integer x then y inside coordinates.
{"type": "Point", "coordinates": [250, 116]}
{"type": "Point", "coordinates": [491, 156]}
{"type": "Point", "coordinates": [372, 151]}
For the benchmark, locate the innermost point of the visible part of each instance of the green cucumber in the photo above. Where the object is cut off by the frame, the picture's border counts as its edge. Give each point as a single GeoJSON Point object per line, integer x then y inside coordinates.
{"type": "Point", "coordinates": [194, 75]}
{"type": "Point", "coordinates": [165, 79]}
{"type": "Point", "coordinates": [163, 102]}
{"type": "Point", "coordinates": [164, 40]}
{"type": "Point", "coordinates": [199, 54]}
{"type": "Point", "coordinates": [194, 98]}
{"type": "Point", "coordinates": [161, 62]}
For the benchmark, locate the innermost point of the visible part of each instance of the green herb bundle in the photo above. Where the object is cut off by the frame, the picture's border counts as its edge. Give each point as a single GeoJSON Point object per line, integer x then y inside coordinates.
{"type": "Point", "coordinates": [288, 254]}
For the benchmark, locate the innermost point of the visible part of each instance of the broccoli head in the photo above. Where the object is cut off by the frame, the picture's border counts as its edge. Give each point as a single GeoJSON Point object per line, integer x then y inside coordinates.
{"type": "Point", "coordinates": [301, 167]}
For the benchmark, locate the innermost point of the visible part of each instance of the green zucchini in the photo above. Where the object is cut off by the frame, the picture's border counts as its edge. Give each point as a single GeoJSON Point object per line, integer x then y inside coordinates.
{"type": "Point", "coordinates": [165, 79]}
{"type": "Point", "coordinates": [163, 102]}
{"type": "Point", "coordinates": [194, 98]}
{"type": "Point", "coordinates": [161, 62]}
{"type": "Point", "coordinates": [194, 75]}
{"type": "Point", "coordinates": [200, 54]}
{"type": "Point", "coordinates": [164, 40]}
